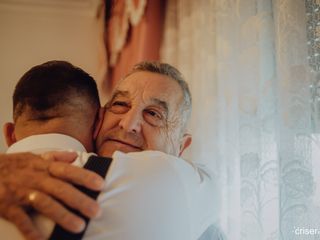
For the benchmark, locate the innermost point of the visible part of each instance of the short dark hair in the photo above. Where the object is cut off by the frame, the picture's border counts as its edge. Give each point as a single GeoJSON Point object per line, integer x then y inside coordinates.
{"type": "Point", "coordinates": [52, 84]}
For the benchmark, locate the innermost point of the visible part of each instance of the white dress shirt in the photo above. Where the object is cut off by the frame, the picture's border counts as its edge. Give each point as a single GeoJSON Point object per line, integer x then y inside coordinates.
{"type": "Point", "coordinates": [147, 195]}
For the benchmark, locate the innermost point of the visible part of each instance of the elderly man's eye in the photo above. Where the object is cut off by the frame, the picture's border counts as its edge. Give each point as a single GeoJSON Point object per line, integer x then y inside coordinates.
{"type": "Point", "coordinates": [118, 103]}
{"type": "Point", "coordinates": [153, 117]}
{"type": "Point", "coordinates": [118, 107]}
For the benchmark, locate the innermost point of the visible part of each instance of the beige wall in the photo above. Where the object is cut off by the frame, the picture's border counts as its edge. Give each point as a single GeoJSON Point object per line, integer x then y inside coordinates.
{"type": "Point", "coordinates": [33, 32]}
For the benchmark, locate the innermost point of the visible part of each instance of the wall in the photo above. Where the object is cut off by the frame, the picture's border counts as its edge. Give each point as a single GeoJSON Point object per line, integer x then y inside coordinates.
{"type": "Point", "coordinates": [34, 31]}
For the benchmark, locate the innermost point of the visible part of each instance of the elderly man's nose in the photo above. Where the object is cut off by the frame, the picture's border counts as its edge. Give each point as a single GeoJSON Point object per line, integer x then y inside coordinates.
{"type": "Point", "coordinates": [131, 122]}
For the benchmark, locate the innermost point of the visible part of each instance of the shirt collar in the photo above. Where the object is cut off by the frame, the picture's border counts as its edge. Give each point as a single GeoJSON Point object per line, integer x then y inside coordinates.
{"type": "Point", "coordinates": [46, 142]}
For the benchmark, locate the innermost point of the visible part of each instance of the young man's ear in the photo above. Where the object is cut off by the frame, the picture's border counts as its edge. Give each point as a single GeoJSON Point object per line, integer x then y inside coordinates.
{"type": "Point", "coordinates": [185, 143]}
{"type": "Point", "coordinates": [99, 121]}
{"type": "Point", "coordinates": [8, 132]}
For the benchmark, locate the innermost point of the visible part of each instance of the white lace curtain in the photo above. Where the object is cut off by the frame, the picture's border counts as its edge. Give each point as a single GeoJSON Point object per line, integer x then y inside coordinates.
{"type": "Point", "coordinates": [255, 109]}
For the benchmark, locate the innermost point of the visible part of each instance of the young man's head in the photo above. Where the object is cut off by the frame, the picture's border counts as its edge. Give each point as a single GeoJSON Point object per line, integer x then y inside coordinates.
{"type": "Point", "coordinates": [55, 97]}
{"type": "Point", "coordinates": [148, 110]}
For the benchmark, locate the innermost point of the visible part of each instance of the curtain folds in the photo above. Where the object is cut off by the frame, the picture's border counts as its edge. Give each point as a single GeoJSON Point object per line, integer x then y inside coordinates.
{"type": "Point", "coordinates": [254, 110]}
{"type": "Point", "coordinates": [134, 33]}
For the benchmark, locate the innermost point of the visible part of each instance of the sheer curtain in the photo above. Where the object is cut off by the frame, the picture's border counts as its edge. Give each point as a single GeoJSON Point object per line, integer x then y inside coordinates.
{"type": "Point", "coordinates": [255, 109]}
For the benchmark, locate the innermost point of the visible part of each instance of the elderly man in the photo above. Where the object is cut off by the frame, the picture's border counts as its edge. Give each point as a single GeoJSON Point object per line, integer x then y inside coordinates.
{"type": "Point", "coordinates": [148, 110]}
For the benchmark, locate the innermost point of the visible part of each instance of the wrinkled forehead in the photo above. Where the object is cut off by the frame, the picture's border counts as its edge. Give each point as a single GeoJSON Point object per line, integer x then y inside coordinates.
{"type": "Point", "coordinates": [150, 86]}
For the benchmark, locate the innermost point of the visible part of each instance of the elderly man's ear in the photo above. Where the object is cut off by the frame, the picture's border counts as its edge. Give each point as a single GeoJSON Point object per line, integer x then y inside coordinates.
{"type": "Point", "coordinates": [98, 122]}
{"type": "Point", "coordinates": [8, 132]}
{"type": "Point", "coordinates": [185, 143]}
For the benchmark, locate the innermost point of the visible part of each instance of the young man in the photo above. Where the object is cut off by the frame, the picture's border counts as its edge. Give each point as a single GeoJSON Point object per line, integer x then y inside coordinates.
{"type": "Point", "coordinates": [55, 107]}
{"type": "Point", "coordinates": [55, 97]}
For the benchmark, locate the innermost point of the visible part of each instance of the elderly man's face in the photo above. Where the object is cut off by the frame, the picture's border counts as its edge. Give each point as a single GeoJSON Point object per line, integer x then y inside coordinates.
{"type": "Point", "coordinates": [143, 114]}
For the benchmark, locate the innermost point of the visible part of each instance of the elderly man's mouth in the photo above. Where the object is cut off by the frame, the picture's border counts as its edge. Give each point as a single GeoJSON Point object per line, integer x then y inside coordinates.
{"type": "Point", "coordinates": [125, 143]}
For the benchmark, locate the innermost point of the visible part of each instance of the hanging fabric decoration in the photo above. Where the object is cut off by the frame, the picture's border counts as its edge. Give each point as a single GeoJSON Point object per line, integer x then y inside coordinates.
{"type": "Point", "coordinates": [124, 14]}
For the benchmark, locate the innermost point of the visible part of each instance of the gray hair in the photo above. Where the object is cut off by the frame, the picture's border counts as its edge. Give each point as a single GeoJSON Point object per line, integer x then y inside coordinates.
{"type": "Point", "coordinates": [173, 73]}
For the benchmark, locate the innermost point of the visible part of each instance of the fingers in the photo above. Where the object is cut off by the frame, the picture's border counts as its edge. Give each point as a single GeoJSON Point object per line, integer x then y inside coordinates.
{"type": "Point", "coordinates": [76, 175]}
{"type": "Point", "coordinates": [11, 163]}
{"type": "Point", "coordinates": [56, 211]}
{"type": "Point", "coordinates": [28, 180]}
{"type": "Point", "coordinates": [62, 156]}
{"type": "Point", "coordinates": [59, 214]}
{"type": "Point", "coordinates": [29, 163]}
{"type": "Point", "coordinates": [22, 221]}
{"type": "Point", "coordinates": [50, 208]}
{"type": "Point", "coordinates": [69, 196]}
